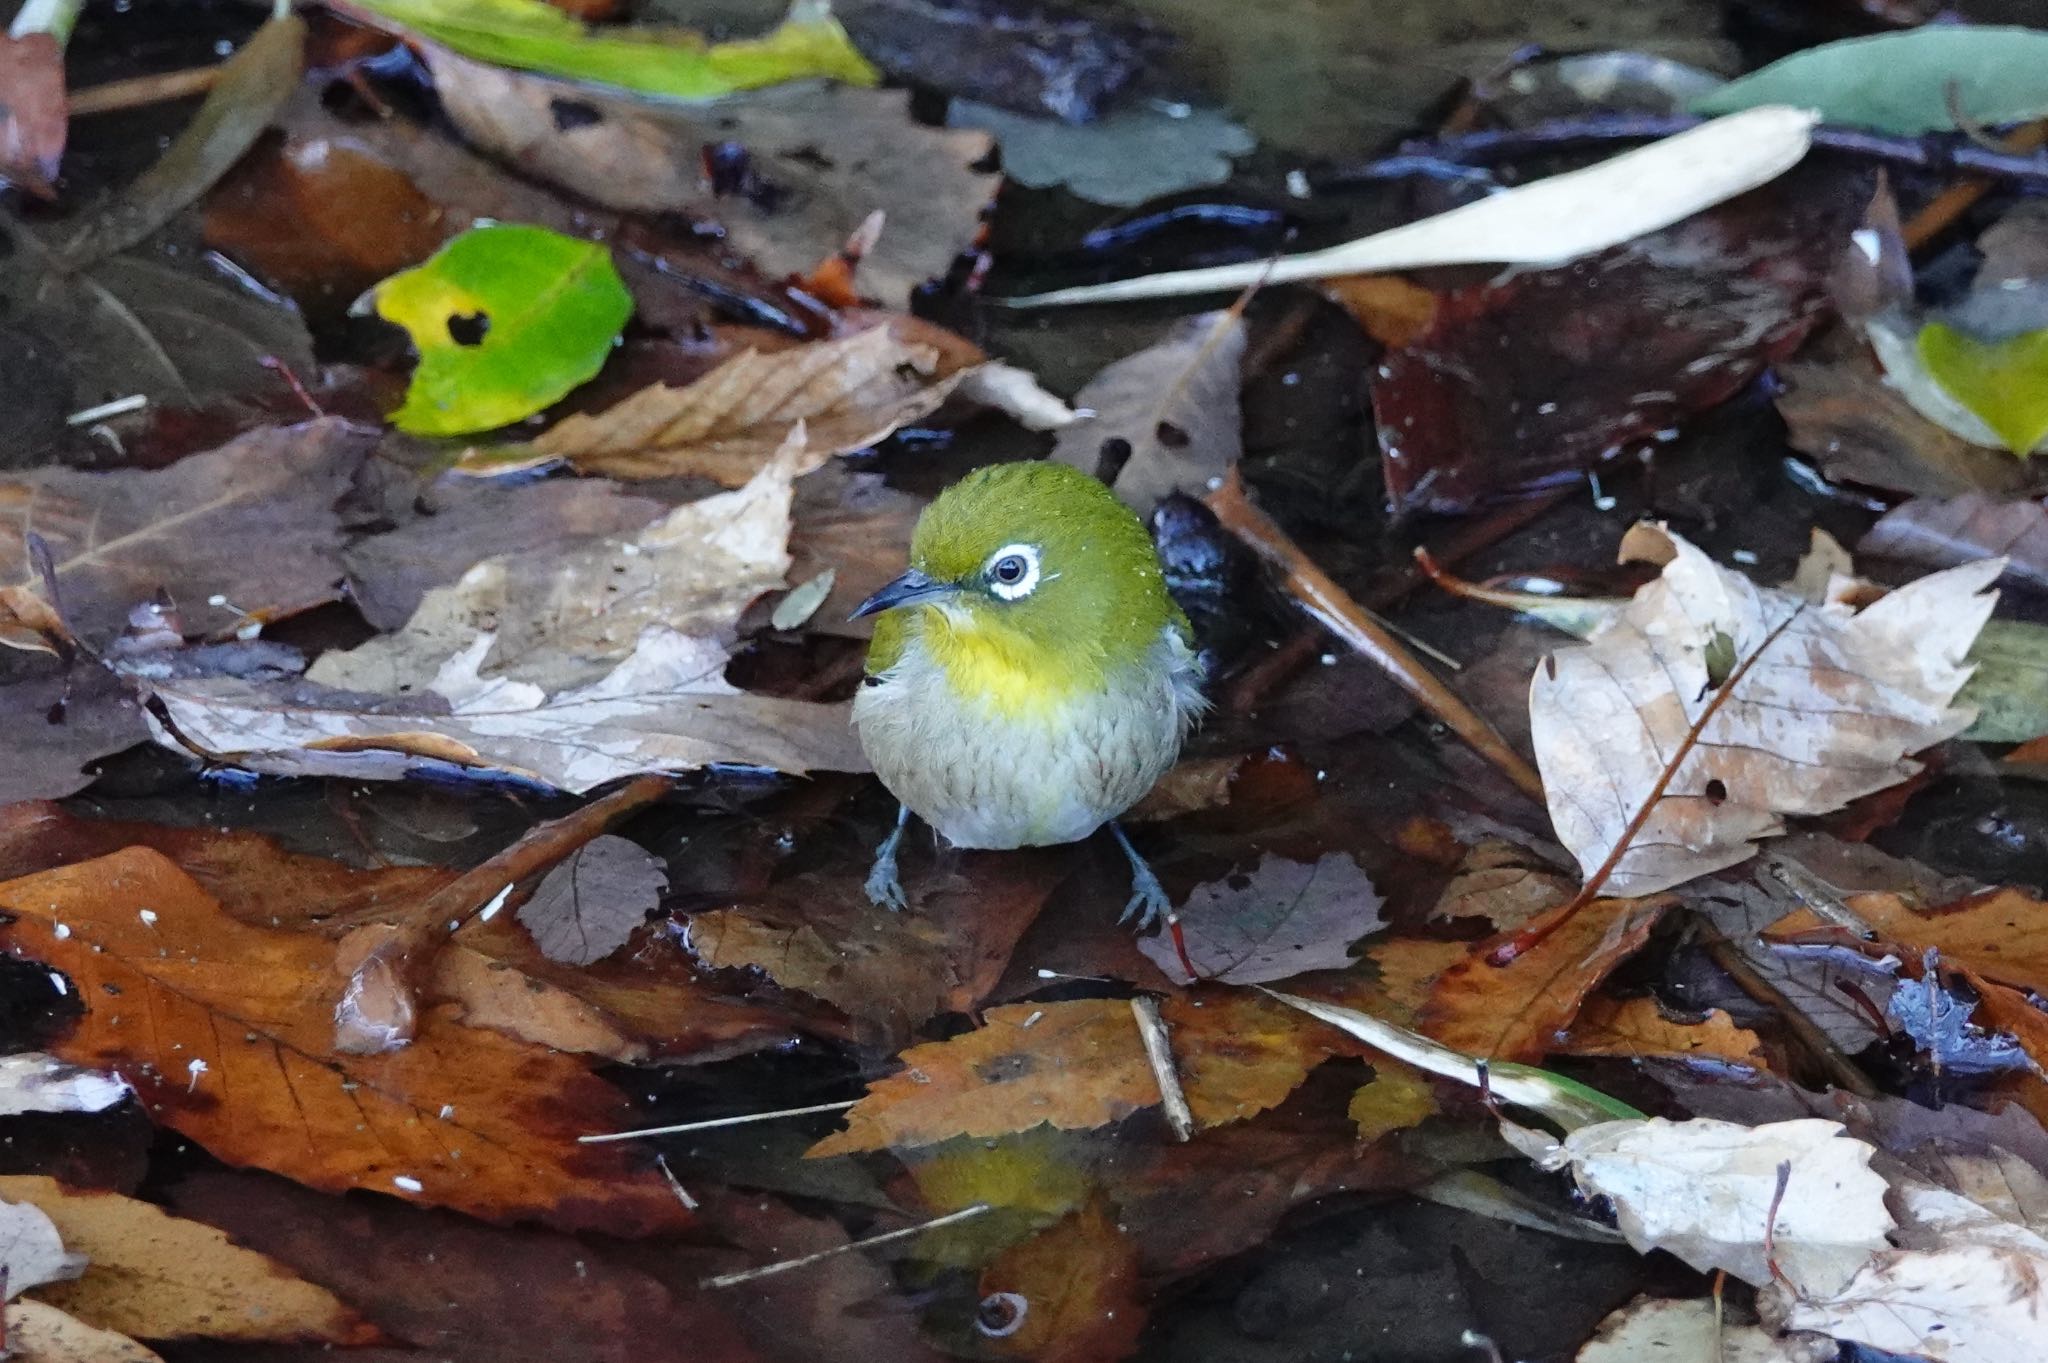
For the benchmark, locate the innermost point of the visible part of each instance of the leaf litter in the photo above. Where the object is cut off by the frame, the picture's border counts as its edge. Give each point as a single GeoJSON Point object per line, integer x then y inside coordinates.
{"type": "Point", "coordinates": [1107, 1134]}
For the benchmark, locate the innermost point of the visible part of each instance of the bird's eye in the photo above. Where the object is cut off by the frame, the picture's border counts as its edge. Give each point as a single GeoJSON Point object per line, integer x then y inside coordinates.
{"type": "Point", "coordinates": [1012, 571]}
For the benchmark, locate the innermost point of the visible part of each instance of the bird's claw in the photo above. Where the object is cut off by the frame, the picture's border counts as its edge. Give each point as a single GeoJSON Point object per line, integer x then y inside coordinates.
{"type": "Point", "coordinates": [885, 891]}
{"type": "Point", "coordinates": [1148, 905]}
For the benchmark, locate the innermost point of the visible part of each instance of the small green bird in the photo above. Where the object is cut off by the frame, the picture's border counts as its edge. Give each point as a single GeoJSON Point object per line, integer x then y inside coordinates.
{"type": "Point", "coordinates": [1030, 677]}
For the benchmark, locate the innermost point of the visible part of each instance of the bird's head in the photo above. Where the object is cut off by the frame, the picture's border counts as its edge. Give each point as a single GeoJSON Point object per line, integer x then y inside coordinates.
{"type": "Point", "coordinates": [1032, 559]}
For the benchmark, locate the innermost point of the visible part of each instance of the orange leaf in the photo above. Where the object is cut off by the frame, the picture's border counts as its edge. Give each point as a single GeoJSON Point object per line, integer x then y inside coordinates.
{"type": "Point", "coordinates": [1070, 1292]}
{"type": "Point", "coordinates": [1637, 1027]}
{"type": "Point", "coordinates": [225, 1031]}
{"type": "Point", "coordinates": [1519, 1011]}
{"type": "Point", "coordinates": [1391, 310]}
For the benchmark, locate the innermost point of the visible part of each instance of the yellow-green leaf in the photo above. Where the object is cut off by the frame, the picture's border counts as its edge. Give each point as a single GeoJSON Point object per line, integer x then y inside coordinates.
{"type": "Point", "coordinates": [2005, 382]}
{"type": "Point", "coordinates": [506, 321]}
{"type": "Point", "coordinates": [530, 35]}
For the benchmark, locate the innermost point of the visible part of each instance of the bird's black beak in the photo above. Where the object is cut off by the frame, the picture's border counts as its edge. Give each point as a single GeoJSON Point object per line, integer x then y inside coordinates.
{"type": "Point", "coordinates": [906, 590]}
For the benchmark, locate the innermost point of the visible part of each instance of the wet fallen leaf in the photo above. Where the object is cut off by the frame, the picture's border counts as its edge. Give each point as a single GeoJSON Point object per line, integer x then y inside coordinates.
{"type": "Point", "coordinates": [1683, 1332]}
{"type": "Point", "coordinates": [670, 62]}
{"type": "Point", "coordinates": [1392, 311]}
{"type": "Point", "coordinates": [1281, 918]}
{"type": "Point", "coordinates": [506, 319]}
{"type": "Point", "coordinates": [37, 1333]}
{"type": "Point", "coordinates": [1936, 532]}
{"type": "Point", "coordinates": [1398, 1097]}
{"type": "Point", "coordinates": [155, 1276]}
{"type": "Point", "coordinates": [1165, 419]}
{"type": "Point", "coordinates": [33, 1082]}
{"type": "Point", "coordinates": [1069, 1294]}
{"type": "Point", "coordinates": [2001, 935]}
{"type": "Point", "coordinates": [1937, 79]}
{"type": "Point", "coordinates": [1081, 1064]}
{"type": "Point", "coordinates": [34, 117]}
{"type": "Point", "coordinates": [32, 1252]}
{"type": "Point", "coordinates": [1503, 883]}
{"type": "Point", "coordinates": [892, 972]}
{"type": "Point", "coordinates": [58, 720]}
{"type": "Point", "coordinates": [1997, 380]}
{"type": "Point", "coordinates": [847, 394]}
{"type": "Point", "coordinates": [1531, 381]}
{"type": "Point", "coordinates": [1822, 703]}
{"type": "Point", "coordinates": [554, 624]}
{"type": "Point", "coordinates": [827, 157]}
{"type": "Point", "coordinates": [225, 1031]}
{"type": "Point", "coordinates": [1638, 1027]}
{"type": "Point", "coordinates": [1137, 153]}
{"type": "Point", "coordinates": [247, 530]}
{"type": "Point", "coordinates": [588, 906]}
{"type": "Point", "coordinates": [1028, 1180]}
{"type": "Point", "coordinates": [1520, 1011]}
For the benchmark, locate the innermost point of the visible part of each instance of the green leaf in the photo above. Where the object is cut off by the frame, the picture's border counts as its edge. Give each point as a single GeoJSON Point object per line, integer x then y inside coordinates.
{"type": "Point", "coordinates": [2010, 686]}
{"type": "Point", "coordinates": [530, 35]}
{"type": "Point", "coordinates": [2005, 382]}
{"type": "Point", "coordinates": [506, 321]}
{"type": "Point", "coordinates": [1905, 82]}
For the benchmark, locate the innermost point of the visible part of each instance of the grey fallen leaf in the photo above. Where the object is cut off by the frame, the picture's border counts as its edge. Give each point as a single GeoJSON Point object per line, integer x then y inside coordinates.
{"type": "Point", "coordinates": [31, 1251]}
{"type": "Point", "coordinates": [1278, 920]}
{"type": "Point", "coordinates": [1837, 699]}
{"type": "Point", "coordinates": [832, 153]}
{"type": "Point", "coordinates": [587, 907]}
{"type": "Point", "coordinates": [1124, 159]}
{"type": "Point", "coordinates": [58, 720]}
{"type": "Point", "coordinates": [1169, 413]}
{"type": "Point", "coordinates": [1940, 532]}
{"type": "Point", "coordinates": [33, 1082]}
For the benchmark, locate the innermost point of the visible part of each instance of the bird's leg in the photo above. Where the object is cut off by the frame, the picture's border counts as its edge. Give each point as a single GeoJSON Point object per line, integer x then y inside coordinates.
{"type": "Point", "coordinates": [1148, 903]}
{"type": "Point", "coordinates": [883, 888]}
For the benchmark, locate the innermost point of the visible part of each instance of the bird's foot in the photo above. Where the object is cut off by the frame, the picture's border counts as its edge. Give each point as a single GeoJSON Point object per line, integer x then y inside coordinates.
{"type": "Point", "coordinates": [1148, 905]}
{"type": "Point", "coordinates": [885, 891]}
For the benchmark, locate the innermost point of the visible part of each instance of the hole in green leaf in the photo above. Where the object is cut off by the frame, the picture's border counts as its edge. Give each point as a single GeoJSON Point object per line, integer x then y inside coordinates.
{"type": "Point", "coordinates": [469, 328]}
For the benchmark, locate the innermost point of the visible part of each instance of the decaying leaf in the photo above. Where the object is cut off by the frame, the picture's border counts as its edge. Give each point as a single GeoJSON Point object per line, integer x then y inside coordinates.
{"type": "Point", "coordinates": [1397, 1097]}
{"type": "Point", "coordinates": [156, 1276]}
{"type": "Point", "coordinates": [2001, 935]}
{"type": "Point", "coordinates": [1503, 883]}
{"type": "Point", "coordinates": [32, 1252]}
{"type": "Point", "coordinates": [1937, 532]}
{"type": "Point", "coordinates": [247, 530]}
{"type": "Point", "coordinates": [846, 394]}
{"type": "Point", "coordinates": [37, 1333]}
{"type": "Point", "coordinates": [1165, 419]}
{"type": "Point", "coordinates": [1823, 702]}
{"type": "Point", "coordinates": [33, 1082]}
{"type": "Point", "coordinates": [1520, 1011]}
{"type": "Point", "coordinates": [1071, 1294]}
{"type": "Point", "coordinates": [1081, 1064]}
{"type": "Point", "coordinates": [1281, 918]}
{"type": "Point", "coordinates": [1684, 1332]}
{"type": "Point", "coordinates": [1707, 1192]}
{"type": "Point", "coordinates": [60, 718]}
{"type": "Point", "coordinates": [1638, 1027]}
{"type": "Point", "coordinates": [587, 907]}
{"type": "Point", "coordinates": [226, 1031]}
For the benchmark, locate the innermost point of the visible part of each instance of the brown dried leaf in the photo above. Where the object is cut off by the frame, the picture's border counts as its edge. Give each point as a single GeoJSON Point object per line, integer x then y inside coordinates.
{"type": "Point", "coordinates": [1638, 1028]}
{"type": "Point", "coordinates": [1503, 883]}
{"type": "Point", "coordinates": [1279, 919]}
{"type": "Point", "coordinates": [245, 530]}
{"type": "Point", "coordinates": [847, 394]}
{"type": "Point", "coordinates": [156, 1276]}
{"type": "Point", "coordinates": [588, 906]}
{"type": "Point", "coordinates": [1165, 419]}
{"type": "Point", "coordinates": [1826, 713]}
{"type": "Point", "coordinates": [225, 1032]}
{"type": "Point", "coordinates": [2001, 935]}
{"type": "Point", "coordinates": [1940, 533]}
{"type": "Point", "coordinates": [1079, 1284]}
{"type": "Point", "coordinates": [37, 1333]}
{"type": "Point", "coordinates": [1520, 1011]}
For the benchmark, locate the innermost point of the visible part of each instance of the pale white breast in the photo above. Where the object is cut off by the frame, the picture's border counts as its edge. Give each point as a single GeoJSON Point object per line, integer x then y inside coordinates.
{"type": "Point", "coordinates": [983, 779]}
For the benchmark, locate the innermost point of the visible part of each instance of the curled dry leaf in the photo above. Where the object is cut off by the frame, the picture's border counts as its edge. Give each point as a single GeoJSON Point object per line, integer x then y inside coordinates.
{"type": "Point", "coordinates": [1081, 1064]}
{"type": "Point", "coordinates": [247, 530]}
{"type": "Point", "coordinates": [1797, 708]}
{"type": "Point", "coordinates": [157, 1276]}
{"type": "Point", "coordinates": [1520, 1011]}
{"type": "Point", "coordinates": [1280, 919]}
{"type": "Point", "coordinates": [845, 394]}
{"type": "Point", "coordinates": [587, 907]}
{"type": "Point", "coordinates": [226, 1032]}
{"type": "Point", "coordinates": [1165, 419]}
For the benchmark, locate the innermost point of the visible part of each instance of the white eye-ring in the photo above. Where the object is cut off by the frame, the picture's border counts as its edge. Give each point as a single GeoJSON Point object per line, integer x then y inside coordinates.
{"type": "Point", "coordinates": [1012, 571]}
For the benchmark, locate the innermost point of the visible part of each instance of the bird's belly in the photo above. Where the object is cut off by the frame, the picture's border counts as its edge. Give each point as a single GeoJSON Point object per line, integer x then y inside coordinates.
{"type": "Point", "coordinates": [986, 779]}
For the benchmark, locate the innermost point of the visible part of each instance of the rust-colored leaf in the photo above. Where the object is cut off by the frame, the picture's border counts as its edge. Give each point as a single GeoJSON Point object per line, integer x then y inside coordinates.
{"type": "Point", "coordinates": [225, 1031]}
{"type": "Point", "coordinates": [1067, 1295]}
{"type": "Point", "coordinates": [1240, 1053]}
{"type": "Point", "coordinates": [1392, 311]}
{"type": "Point", "coordinates": [1638, 1028]}
{"type": "Point", "coordinates": [2001, 935]}
{"type": "Point", "coordinates": [1519, 1011]}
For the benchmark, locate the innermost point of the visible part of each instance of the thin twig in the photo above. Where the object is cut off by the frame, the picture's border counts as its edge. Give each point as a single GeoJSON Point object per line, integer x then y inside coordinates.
{"type": "Point", "coordinates": [1159, 1050]}
{"type": "Point", "coordinates": [1541, 928]}
{"type": "Point", "coordinates": [716, 1121]}
{"type": "Point", "coordinates": [1330, 605]}
{"type": "Point", "coordinates": [143, 91]}
{"type": "Point", "coordinates": [770, 1270]}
